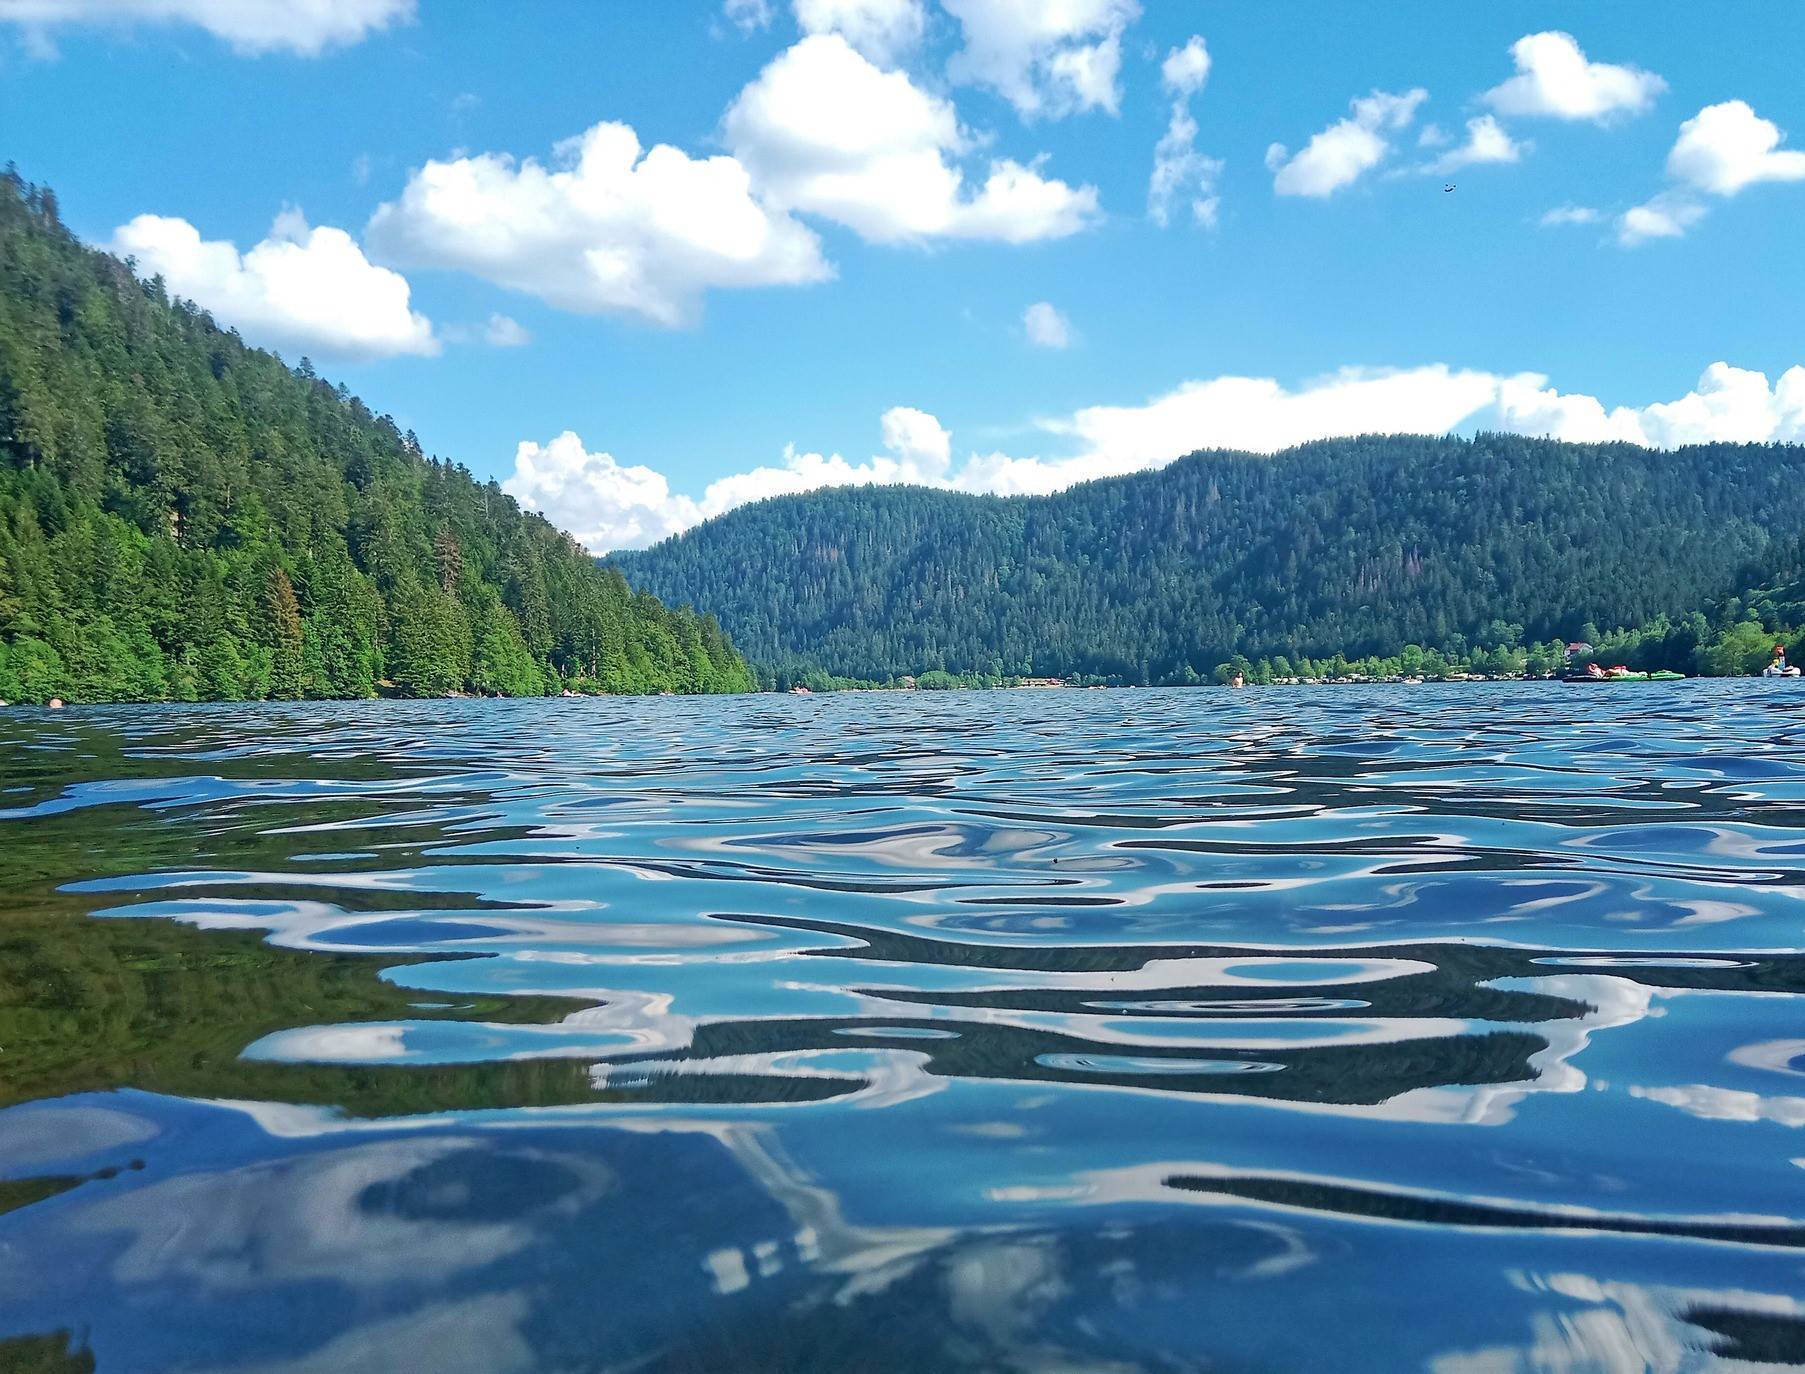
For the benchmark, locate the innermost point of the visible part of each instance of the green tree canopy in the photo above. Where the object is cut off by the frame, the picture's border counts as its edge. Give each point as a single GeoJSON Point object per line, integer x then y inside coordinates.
{"type": "Point", "coordinates": [183, 517]}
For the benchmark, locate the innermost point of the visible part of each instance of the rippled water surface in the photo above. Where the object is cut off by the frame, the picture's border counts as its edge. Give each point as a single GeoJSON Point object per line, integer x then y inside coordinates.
{"type": "Point", "coordinates": [1454, 1029]}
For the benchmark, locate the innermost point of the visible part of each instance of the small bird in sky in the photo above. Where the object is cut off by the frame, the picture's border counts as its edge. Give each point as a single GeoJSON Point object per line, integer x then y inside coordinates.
{"type": "Point", "coordinates": [1448, 187]}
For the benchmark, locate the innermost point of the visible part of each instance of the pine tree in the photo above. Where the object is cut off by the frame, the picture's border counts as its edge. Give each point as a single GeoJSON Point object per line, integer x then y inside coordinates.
{"type": "Point", "coordinates": [288, 678]}
{"type": "Point", "coordinates": [156, 474]}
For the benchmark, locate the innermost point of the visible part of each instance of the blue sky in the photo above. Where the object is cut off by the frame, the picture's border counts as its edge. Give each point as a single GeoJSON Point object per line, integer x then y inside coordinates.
{"type": "Point", "coordinates": [827, 273]}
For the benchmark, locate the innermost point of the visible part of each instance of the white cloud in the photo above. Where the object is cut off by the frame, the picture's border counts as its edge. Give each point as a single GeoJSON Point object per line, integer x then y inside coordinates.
{"type": "Point", "coordinates": [883, 30]}
{"type": "Point", "coordinates": [1260, 415]}
{"type": "Point", "coordinates": [918, 441]}
{"type": "Point", "coordinates": [825, 131]}
{"type": "Point", "coordinates": [1045, 57]}
{"type": "Point", "coordinates": [303, 288]}
{"type": "Point", "coordinates": [1178, 167]}
{"type": "Point", "coordinates": [1555, 79]}
{"type": "Point", "coordinates": [503, 332]}
{"type": "Point", "coordinates": [1667, 216]}
{"type": "Point", "coordinates": [1342, 153]}
{"type": "Point", "coordinates": [748, 16]}
{"type": "Point", "coordinates": [918, 452]}
{"type": "Point", "coordinates": [1486, 142]}
{"type": "Point", "coordinates": [606, 228]}
{"type": "Point", "coordinates": [1569, 214]}
{"type": "Point", "coordinates": [1726, 147]}
{"type": "Point", "coordinates": [1730, 404]}
{"type": "Point", "coordinates": [1046, 327]}
{"type": "Point", "coordinates": [610, 506]}
{"type": "Point", "coordinates": [499, 331]}
{"type": "Point", "coordinates": [1721, 151]}
{"type": "Point", "coordinates": [307, 27]}
{"type": "Point", "coordinates": [1186, 69]}
{"type": "Point", "coordinates": [604, 504]}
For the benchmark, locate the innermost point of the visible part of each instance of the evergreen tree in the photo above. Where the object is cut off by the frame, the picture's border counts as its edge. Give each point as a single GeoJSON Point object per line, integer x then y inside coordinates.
{"type": "Point", "coordinates": [1354, 547]}
{"type": "Point", "coordinates": [288, 677]}
{"type": "Point", "coordinates": [184, 517]}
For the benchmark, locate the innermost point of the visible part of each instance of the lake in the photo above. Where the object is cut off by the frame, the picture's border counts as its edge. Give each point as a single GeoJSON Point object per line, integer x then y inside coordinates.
{"type": "Point", "coordinates": [1445, 1028]}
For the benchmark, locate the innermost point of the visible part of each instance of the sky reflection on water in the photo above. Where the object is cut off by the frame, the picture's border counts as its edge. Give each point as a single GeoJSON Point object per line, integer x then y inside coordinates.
{"type": "Point", "coordinates": [1430, 1028]}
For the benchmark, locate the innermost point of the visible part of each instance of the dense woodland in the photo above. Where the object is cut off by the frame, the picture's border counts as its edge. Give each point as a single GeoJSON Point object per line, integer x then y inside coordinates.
{"type": "Point", "coordinates": [184, 517]}
{"type": "Point", "coordinates": [1484, 553]}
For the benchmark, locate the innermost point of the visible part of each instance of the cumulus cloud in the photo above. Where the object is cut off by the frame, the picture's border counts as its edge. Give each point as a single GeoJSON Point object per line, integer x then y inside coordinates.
{"type": "Point", "coordinates": [606, 228]}
{"type": "Point", "coordinates": [885, 31]}
{"type": "Point", "coordinates": [1729, 404]}
{"type": "Point", "coordinates": [303, 288]}
{"type": "Point", "coordinates": [1048, 58]}
{"type": "Point", "coordinates": [919, 452]}
{"type": "Point", "coordinates": [1046, 327]}
{"type": "Point", "coordinates": [1667, 216]}
{"type": "Point", "coordinates": [1178, 167]}
{"type": "Point", "coordinates": [604, 504]}
{"type": "Point", "coordinates": [1486, 142]}
{"type": "Point", "coordinates": [1721, 151]}
{"type": "Point", "coordinates": [307, 27]}
{"type": "Point", "coordinates": [748, 16]}
{"type": "Point", "coordinates": [610, 506]}
{"type": "Point", "coordinates": [1185, 69]}
{"type": "Point", "coordinates": [503, 332]}
{"type": "Point", "coordinates": [1726, 147]}
{"type": "Point", "coordinates": [1555, 79]}
{"type": "Point", "coordinates": [1260, 415]}
{"type": "Point", "coordinates": [1345, 151]}
{"type": "Point", "coordinates": [1569, 214]}
{"type": "Point", "coordinates": [827, 132]}
{"type": "Point", "coordinates": [499, 331]}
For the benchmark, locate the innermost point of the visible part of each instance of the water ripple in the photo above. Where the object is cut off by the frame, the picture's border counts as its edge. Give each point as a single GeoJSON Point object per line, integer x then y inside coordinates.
{"type": "Point", "coordinates": [997, 1030]}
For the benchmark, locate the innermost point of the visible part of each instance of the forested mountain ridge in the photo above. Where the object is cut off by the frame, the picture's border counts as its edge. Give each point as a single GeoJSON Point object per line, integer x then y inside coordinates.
{"type": "Point", "coordinates": [183, 516]}
{"type": "Point", "coordinates": [1353, 546]}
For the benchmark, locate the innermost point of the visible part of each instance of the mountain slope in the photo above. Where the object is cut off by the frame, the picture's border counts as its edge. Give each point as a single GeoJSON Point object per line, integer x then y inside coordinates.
{"type": "Point", "coordinates": [1357, 546]}
{"type": "Point", "coordinates": [182, 516]}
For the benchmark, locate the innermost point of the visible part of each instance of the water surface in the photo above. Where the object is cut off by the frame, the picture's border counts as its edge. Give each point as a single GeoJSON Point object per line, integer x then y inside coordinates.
{"type": "Point", "coordinates": [1443, 1028]}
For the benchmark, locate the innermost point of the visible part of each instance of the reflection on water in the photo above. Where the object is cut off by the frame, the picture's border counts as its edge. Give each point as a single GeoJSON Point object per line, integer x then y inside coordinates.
{"type": "Point", "coordinates": [1446, 1029]}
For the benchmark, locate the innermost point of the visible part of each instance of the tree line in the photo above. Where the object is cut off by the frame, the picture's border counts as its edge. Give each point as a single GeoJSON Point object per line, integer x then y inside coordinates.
{"type": "Point", "coordinates": [1355, 547]}
{"type": "Point", "coordinates": [184, 517]}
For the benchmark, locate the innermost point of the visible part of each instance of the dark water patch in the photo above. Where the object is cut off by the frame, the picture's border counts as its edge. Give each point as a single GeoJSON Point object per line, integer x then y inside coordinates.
{"type": "Point", "coordinates": [1754, 1337]}
{"type": "Point", "coordinates": [1374, 1204]}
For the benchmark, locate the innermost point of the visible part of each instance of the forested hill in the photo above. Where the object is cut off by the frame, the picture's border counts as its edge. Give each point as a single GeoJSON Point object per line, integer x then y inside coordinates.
{"type": "Point", "coordinates": [183, 516]}
{"type": "Point", "coordinates": [1354, 546]}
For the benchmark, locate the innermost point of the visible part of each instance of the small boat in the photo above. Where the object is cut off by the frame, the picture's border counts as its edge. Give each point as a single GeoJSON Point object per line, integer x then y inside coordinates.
{"type": "Point", "coordinates": [1664, 675]}
{"type": "Point", "coordinates": [1780, 667]}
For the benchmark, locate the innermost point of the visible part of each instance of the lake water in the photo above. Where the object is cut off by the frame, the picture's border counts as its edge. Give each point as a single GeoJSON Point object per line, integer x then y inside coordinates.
{"type": "Point", "coordinates": [1442, 1028]}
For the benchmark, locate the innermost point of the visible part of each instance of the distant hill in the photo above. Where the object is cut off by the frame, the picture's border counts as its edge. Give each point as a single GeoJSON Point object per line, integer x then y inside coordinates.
{"type": "Point", "coordinates": [1351, 546]}
{"type": "Point", "coordinates": [182, 516]}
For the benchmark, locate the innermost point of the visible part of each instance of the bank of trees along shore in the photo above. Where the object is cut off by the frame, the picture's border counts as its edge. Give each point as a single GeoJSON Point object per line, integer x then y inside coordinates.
{"type": "Point", "coordinates": [183, 517]}
{"type": "Point", "coordinates": [1735, 637]}
{"type": "Point", "coordinates": [1692, 645]}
